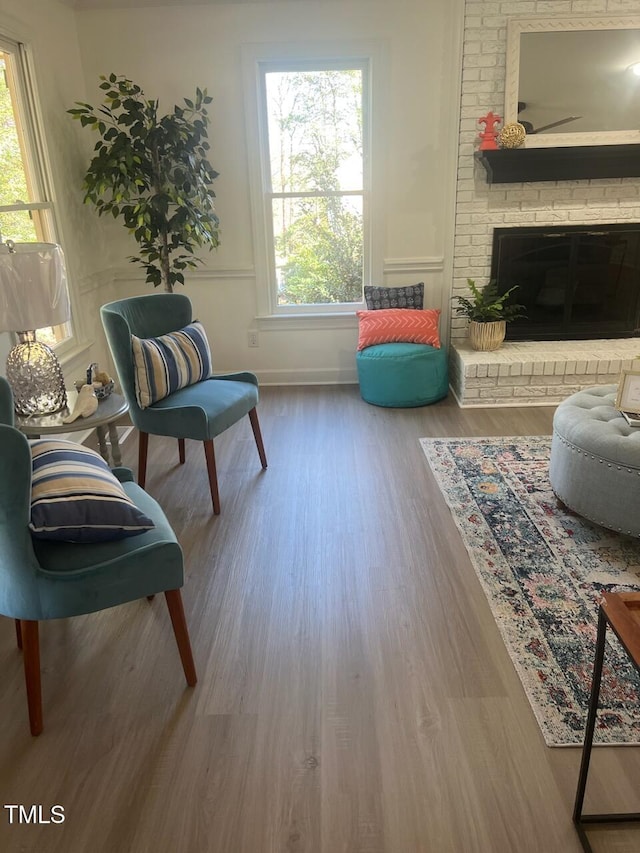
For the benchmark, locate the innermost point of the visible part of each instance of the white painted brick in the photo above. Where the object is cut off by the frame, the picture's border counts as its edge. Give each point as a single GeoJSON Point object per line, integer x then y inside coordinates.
{"type": "Point", "coordinates": [581, 366]}
{"type": "Point", "coordinates": [490, 392]}
{"type": "Point", "coordinates": [530, 391]}
{"type": "Point", "coordinates": [538, 368]}
{"type": "Point", "coordinates": [492, 369]}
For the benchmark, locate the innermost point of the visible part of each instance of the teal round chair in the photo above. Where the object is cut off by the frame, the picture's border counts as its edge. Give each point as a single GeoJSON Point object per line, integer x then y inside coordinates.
{"type": "Point", "coordinates": [43, 579]}
{"type": "Point", "coordinates": [402, 375]}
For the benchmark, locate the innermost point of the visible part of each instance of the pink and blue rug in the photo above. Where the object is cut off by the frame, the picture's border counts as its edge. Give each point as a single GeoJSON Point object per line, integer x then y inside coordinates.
{"type": "Point", "coordinates": [543, 570]}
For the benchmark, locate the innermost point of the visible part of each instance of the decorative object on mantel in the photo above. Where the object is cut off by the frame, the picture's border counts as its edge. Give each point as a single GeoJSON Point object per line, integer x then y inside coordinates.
{"type": "Point", "coordinates": [487, 314]}
{"type": "Point", "coordinates": [489, 134]}
{"type": "Point", "coordinates": [512, 135]}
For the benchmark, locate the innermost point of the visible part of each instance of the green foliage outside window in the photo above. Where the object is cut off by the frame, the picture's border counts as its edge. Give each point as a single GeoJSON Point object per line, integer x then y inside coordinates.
{"type": "Point", "coordinates": [316, 147]}
{"type": "Point", "coordinates": [15, 224]}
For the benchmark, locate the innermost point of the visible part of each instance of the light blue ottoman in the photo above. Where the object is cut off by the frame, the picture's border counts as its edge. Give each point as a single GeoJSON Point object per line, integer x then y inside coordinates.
{"type": "Point", "coordinates": [400, 375]}
{"type": "Point", "coordinates": [595, 460]}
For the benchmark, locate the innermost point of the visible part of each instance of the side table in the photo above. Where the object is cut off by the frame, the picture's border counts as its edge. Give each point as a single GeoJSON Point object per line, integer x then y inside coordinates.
{"type": "Point", "coordinates": [619, 611]}
{"type": "Point", "coordinates": [102, 420]}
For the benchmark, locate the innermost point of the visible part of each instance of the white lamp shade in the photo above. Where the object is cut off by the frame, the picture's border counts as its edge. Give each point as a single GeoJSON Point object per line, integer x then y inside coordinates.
{"type": "Point", "coordinates": [33, 287]}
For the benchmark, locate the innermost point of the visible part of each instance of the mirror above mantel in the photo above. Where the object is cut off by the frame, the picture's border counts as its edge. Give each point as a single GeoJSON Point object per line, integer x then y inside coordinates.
{"type": "Point", "coordinates": [571, 81]}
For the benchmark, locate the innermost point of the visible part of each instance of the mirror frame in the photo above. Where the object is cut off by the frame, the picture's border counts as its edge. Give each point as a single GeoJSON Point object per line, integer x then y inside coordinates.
{"type": "Point", "coordinates": [515, 28]}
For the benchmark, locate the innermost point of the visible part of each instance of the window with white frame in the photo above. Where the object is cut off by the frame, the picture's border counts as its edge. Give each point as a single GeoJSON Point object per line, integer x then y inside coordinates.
{"type": "Point", "coordinates": [26, 207]}
{"type": "Point", "coordinates": [315, 138]}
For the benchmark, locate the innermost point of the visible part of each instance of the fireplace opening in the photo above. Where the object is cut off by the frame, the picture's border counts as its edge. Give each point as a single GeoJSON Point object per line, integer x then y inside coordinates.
{"type": "Point", "coordinates": [575, 282]}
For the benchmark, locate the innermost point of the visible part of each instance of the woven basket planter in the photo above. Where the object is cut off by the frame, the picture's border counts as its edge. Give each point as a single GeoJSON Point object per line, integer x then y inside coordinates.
{"type": "Point", "coordinates": [487, 336]}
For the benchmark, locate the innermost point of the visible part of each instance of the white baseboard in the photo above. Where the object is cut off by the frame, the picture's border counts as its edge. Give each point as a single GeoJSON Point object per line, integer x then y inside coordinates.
{"type": "Point", "coordinates": [308, 376]}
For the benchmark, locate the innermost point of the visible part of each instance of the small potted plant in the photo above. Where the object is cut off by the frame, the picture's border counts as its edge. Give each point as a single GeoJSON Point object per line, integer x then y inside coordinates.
{"type": "Point", "coordinates": [487, 313]}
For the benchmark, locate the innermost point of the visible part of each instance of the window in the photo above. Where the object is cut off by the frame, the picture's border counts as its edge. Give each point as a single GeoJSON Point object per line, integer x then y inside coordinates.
{"type": "Point", "coordinates": [315, 182]}
{"type": "Point", "coordinates": [26, 209]}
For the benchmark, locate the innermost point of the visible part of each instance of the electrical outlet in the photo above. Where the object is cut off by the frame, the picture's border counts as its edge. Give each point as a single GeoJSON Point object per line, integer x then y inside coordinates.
{"type": "Point", "coordinates": [252, 338]}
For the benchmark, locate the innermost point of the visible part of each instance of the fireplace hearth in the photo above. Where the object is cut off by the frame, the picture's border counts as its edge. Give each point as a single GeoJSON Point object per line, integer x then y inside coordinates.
{"type": "Point", "coordinates": [576, 282]}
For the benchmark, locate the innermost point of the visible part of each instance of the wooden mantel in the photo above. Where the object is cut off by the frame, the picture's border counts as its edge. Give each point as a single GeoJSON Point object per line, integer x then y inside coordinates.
{"type": "Point", "coordinates": [584, 162]}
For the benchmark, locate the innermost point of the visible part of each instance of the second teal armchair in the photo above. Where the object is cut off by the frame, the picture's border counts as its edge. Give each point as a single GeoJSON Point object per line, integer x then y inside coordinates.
{"type": "Point", "coordinates": [43, 579]}
{"type": "Point", "coordinates": [200, 411]}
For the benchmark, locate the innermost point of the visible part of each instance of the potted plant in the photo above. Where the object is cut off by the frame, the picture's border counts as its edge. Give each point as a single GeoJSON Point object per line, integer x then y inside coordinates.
{"type": "Point", "coordinates": [488, 314]}
{"type": "Point", "coordinates": [152, 171]}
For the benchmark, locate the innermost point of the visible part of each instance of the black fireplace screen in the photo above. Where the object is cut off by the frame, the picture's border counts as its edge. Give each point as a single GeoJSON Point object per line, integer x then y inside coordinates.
{"type": "Point", "coordinates": [576, 282]}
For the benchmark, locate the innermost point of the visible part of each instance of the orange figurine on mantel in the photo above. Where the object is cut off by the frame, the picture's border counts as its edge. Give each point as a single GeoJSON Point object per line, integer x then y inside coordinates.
{"type": "Point", "coordinates": [489, 134]}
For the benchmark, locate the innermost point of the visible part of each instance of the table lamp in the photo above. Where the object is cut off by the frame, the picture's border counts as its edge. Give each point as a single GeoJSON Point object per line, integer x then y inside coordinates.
{"type": "Point", "coordinates": [33, 295]}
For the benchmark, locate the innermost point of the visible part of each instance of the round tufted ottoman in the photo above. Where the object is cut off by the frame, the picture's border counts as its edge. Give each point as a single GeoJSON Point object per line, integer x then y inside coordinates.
{"type": "Point", "coordinates": [401, 375]}
{"type": "Point", "coordinates": [595, 460]}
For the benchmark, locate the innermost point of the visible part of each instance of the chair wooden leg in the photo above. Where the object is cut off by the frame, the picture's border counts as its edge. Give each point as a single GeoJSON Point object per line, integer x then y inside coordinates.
{"type": "Point", "coordinates": [31, 648]}
{"type": "Point", "coordinates": [18, 634]}
{"type": "Point", "coordinates": [213, 476]}
{"type": "Point", "coordinates": [143, 445]}
{"type": "Point", "coordinates": [181, 450]}
{"type": "Point", "coordinates": [255, 426]}
{"type": "Point", "coordinates": [176, 612]}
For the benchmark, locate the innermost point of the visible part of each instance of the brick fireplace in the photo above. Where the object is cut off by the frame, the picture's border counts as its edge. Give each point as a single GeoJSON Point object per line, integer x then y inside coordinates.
{"type": "Point", "coordinates": [523, 372]}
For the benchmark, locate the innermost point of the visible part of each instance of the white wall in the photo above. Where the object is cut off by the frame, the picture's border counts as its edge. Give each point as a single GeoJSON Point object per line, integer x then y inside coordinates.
{"type": "Point", "coordinates": [170, 51]}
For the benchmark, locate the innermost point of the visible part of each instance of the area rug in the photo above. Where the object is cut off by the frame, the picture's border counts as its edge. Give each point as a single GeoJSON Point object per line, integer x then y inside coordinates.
{"type": "Point", "coordinates": [543, 570]}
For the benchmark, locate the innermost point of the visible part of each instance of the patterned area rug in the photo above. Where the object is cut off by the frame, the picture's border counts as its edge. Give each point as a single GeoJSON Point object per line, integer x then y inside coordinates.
{"type": "Point", "coordinates": [543, 570]}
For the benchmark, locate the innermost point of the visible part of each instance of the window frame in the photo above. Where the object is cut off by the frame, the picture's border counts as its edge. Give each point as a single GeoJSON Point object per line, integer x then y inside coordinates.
{"type": "Point", "coordinates": [258, 60]}
{"type": "Point", "coordinates": [36, 163]}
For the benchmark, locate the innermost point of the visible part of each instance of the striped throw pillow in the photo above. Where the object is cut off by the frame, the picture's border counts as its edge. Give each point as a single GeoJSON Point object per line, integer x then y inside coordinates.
{"type": "Point", "coordinates": [76, 498]}
{"type": "Point", "coordinates": [389, 325]}
{"type": "Point", "coordinates": [170, 362]}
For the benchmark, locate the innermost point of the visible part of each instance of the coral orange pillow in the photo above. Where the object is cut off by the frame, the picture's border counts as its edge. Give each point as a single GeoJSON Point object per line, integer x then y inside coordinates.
{"type": "Point", "coordinates": [407, 325]}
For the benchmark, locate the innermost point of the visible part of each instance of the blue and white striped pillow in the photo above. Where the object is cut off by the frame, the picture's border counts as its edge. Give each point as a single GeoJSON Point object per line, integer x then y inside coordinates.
{"type": "Point", "coordinates": [76, 498]}
{"type": "Point", "coordinates": [170, 362]}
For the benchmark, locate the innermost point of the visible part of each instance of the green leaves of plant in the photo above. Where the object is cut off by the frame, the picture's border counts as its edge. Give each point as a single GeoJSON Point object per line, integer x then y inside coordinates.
{"type": "Point", "coordinates": [487, 305]}
{"type": "Point", "coordinates": [153, 173]}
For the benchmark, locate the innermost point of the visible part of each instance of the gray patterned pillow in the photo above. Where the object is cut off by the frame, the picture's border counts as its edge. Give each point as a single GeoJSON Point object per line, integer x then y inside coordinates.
{"type": "Point", "coordinates": [394, 297]}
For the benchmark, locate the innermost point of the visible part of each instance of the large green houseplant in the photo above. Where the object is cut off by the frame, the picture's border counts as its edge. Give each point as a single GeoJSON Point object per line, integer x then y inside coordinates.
{"type": "Point", "coordinates": [152, 171]}
{"type": "Point", "coordinates": [488, 313]}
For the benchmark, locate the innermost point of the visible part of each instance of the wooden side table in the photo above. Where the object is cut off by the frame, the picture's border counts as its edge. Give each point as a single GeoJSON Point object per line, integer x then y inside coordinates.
{"type": "Point", "coordinates": [102, 420]}
{"type": "Point", "coordinates": [621, 612]}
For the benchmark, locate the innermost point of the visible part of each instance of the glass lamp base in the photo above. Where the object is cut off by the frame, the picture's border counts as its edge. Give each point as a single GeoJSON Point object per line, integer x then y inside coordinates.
{"type": "Point", "coordinates": [35, 377]}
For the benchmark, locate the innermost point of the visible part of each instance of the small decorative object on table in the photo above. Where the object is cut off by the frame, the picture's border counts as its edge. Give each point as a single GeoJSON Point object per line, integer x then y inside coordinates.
{"type": "Point", "coordinates": [489, 134]}
{"type": "Point", "coordinates": [86, 404]}
{"type": "Point", "coordinates": [102, 383]}
{"type": "Point", "coordinates": [628, 397]}
{"type": "Point", "coordinates": [512, 135]}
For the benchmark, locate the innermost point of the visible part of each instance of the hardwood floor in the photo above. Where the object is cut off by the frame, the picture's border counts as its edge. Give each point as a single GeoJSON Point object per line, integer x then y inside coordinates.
{"type": "Point", "coordinates": [354, 694]}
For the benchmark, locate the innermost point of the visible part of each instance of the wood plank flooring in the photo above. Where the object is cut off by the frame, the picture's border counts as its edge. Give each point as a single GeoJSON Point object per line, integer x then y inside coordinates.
{"type": "Point", "coordinates": [354, 693]}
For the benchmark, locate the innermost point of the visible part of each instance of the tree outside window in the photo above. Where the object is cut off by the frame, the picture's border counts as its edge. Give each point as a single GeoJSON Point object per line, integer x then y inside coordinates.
{"type": "Point", "coordinates": [26, 213]}
{"type": "Point", "coordinates": [316, 183]}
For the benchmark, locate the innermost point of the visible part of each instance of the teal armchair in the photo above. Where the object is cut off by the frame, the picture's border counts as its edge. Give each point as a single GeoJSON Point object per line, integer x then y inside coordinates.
{"type": "Point", "coordinates": [42, 580]}
{"type": "Point", "coordinates": [200, 411]}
